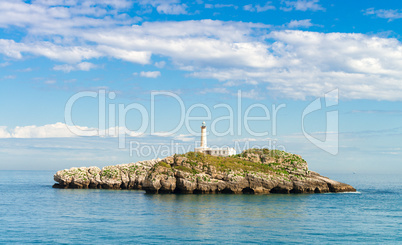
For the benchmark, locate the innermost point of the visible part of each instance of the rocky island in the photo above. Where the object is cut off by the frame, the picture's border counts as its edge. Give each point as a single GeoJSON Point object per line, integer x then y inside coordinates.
{"type": "Point", "coordinates": [256, 171]}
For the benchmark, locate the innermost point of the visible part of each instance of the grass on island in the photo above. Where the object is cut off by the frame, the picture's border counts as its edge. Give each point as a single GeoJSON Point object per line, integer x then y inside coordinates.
{"type": "Point", "coordinates": [240, 163]}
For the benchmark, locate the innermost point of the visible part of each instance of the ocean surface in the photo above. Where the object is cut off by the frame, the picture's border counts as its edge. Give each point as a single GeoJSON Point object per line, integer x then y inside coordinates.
{"type": "Point", "coordinates": [31, 211]}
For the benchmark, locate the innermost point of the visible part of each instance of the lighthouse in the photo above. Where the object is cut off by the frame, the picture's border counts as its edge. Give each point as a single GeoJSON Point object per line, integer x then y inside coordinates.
{"type": "Point", "coordinates": [203, 135]}
{"type": "Point", "coordinates": [224, 151]}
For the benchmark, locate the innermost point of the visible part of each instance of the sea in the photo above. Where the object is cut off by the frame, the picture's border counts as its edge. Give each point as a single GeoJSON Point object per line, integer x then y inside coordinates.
{"type": "Point", "coordinates": [32, 212]}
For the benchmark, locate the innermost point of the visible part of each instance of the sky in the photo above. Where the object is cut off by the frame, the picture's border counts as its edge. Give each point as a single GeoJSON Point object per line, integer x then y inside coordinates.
{"type": "Point", "coordinates": [97, 83]}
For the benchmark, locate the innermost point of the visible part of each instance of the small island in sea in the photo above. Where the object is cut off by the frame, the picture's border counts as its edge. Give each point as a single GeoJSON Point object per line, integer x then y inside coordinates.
{"type": "Point", "coordinates": [252, 171]}
{"type": "Point", "coordinates": [207, 170]}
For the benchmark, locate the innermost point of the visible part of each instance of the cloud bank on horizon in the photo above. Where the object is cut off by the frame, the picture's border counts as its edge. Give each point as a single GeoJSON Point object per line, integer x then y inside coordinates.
{"type": "Point", "coordinates": [283, 60]}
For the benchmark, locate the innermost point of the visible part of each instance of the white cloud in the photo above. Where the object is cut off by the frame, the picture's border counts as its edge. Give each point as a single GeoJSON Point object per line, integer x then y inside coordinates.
{"type": "Point", "coordinates": [52, 16]}
{"type": "Point", "coordinates": [188, 42]}
{"type": "Point", "coordinates": [10, 49]}
{"type": "Point", "coordinates": [259, 8]}
{"type": "Point", "coordinates": [300, 23]}
{"type": "Point", "coordinates": [252, 94]}
{"type": "Point", "coordinates": [210, 6]}
{"type": "Point", "coordinates": [390, 14]}
{"type": "Point", "coordinates": [52, 51]}
{"type": "Point", "coordinates": [50, 82]}
{"type": "Point", "coordinates": [83, 66]}
{"type": "Point", "coordinates": [26, 69]}
{"type": "Point", "coordinates": [215, 91]}
{"type": "Point", "coordinates": [61, 130]}
{"type": "Point", "coordinates": [303, 5]}
{"type": "Point", "coordinates": [185, 137]}
{"type": "Point", "coordinates": [181, 137]}
{"type": "Point", "coordinates": [150, 74]}
{"type": "Point", "coordinates": [4, 64]}
{"type": "Point", "coordinates": [216, 41]}
{"type": "Point", "coordinates": [57, 130]}
{"type": "Point", "coordinates": [117, 4]}
{"type": "Point", "coordinates": [294, 64]}
{"type": "Point", "coordinates": [162, 134]}
{"type": "Point", "coordinates": [160, 64]}
{"type": "Point", "coordinates": [10, 77]}
{"type": "Point", "coordinates": [311, 63]}
{"type": "Point", "coordinates": [116, 131]}
{"type": "Point", "coordinates": [173, 7]}
{"type": "Point", "coordinates": [4, 133]}
{"type": "Point", "coordinates": [141, 57]}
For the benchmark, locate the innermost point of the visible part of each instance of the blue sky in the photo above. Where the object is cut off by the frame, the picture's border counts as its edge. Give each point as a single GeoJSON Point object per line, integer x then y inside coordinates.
{"type": "Point", "coordinates": [200, 54]}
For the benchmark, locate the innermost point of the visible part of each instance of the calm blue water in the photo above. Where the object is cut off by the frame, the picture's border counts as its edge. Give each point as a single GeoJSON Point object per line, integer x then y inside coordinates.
{"type": "Point", "coordinates": [33, 212]}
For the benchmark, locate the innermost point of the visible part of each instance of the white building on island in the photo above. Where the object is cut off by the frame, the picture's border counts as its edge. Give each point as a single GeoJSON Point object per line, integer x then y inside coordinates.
{"type": "Point", "coordinates": [225, 151]}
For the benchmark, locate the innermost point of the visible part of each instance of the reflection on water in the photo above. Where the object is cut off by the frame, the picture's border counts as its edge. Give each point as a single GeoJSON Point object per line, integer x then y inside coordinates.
{"type": "Point", "coordinates": [232, 213]}
{"type": "Point", "coordinates": [237, 206]}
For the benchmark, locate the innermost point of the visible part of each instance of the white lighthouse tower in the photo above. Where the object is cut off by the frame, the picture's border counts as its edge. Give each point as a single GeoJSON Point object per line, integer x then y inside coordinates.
{"type": "Point", "coordinates": [203, 136]}
{"type": "Point", "coordinates": [226, 151]}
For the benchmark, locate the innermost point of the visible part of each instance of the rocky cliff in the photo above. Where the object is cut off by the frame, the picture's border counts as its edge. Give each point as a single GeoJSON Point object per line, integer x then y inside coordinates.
{"type": "Point", "coordinates": [253, 171]}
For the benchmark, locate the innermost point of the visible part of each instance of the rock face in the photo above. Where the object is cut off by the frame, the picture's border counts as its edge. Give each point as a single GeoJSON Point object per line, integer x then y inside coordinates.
{"type": "Point", "coordinates": [123, 176]}
{"type": "Point", "coordinates": [258, 171]}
